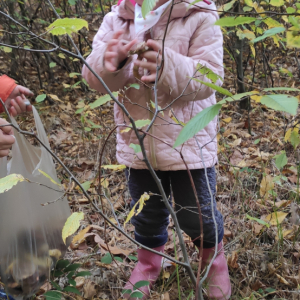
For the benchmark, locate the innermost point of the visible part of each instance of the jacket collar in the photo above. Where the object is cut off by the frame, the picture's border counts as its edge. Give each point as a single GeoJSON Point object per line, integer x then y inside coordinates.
{"type": "Point", "coordinates": [181, 9]}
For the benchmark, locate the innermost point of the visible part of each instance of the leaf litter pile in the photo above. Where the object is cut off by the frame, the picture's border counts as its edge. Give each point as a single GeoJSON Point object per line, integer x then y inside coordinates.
{"type": "Point", "coordinates": [257, 193]}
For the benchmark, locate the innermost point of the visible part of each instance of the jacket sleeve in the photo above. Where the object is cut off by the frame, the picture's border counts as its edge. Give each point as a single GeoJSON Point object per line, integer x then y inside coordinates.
{"type": "Point", "coordinates": [114, 80]}
{"type": "Point", "coordinates": [206, 48]}
{"type": "Point", "coordinates": [7, 85]}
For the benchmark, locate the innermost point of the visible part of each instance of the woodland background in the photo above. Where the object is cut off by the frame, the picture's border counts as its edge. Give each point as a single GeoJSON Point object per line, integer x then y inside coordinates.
{"type": "Point", "coordinates": [258, 171]}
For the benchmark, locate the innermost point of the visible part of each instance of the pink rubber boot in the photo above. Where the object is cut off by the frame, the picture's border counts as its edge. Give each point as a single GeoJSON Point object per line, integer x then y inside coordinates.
{"type": "Point", "coordinates": [218, 281]}
{"type": "Point", "coordinates": [148, 268]}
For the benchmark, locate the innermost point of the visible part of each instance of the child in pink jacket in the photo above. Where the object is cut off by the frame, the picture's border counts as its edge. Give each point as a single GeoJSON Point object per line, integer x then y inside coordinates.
{"type": "Point", "coordinates": [192, 40]}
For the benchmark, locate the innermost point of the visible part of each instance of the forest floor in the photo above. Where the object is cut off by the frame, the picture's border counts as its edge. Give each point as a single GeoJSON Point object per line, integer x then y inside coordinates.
{"type": "Point", "coordinates": [263, 261]}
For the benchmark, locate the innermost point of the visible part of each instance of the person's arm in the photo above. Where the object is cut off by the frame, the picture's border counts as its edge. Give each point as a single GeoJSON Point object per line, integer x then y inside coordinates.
{"type": "Point", "coordinates": [206, 48]}
{"type": "Point", "coordinates": [6, 138]}
{"type": "Point", "coordinates": [104, 39]}
{"type": "Point", "coordinates": [14, 96]}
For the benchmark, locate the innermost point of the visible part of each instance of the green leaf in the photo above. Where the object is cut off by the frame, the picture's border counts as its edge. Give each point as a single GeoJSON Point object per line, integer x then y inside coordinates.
{"type": "Point", "coordinates": [281, 160]}
{"type": "Point", "coordinates": [72, 2]}
{"type": "Point", "coordinates": [83, 273]}
{"type": "Point", "coordinates": [256, 141]}
{"type": "Point", "coordinates": [52, 295]}
{"type": "Point", "coordinates": [71, 274]}
{"type": "Point", "coordinates": [72, 289]}
{"type": "Point", "coordinates": [268, 33]}
{"type": "Point", "coordinates": [290, 10]}
{"type": "Point", "coordinates": [72, 281]}
{"type": "Point", "coordinates": [118, 258]}
{"type": "Point", "coordinates": [258, 221]}
{"type": "Point", "coordinates": [281, 89]}
{"type": "Point", "coordinates": [295, 139]}
{"type": "Point", "coordinates": [232, 21]}
{"type": "Point", "coordinates": [72, 267]}
{"type": "Point", "coordinates": [127, 291]}
{"type": "Point", "coordinates": [194, 2]}
{"type": "Point", "coordinates": [247, 8]}
{"type": "Point", "coordinates": [72, 224]}
{"type": "Point", "coordinates": [49, 177]}
{"type": "Point", "coordinates": [86, 185]}
{"type": "Point", "coordinates": [61, 264]}
{"type": "Point", "coordinates": [135, 86]}
{"type": "Point", "coordinates": [281, 102]}
{"type": "Point", "coordinates": [67, 26]}
{"type": "Point", "coordinates": [56, 286]}
{"type": "Point", "coordinates": [136, 294]}
{"type": "Point", "coordinates": [132, 257]}
{"type": "Point", "coordinates": [40, 98]}
{"type": "Point", "coordinates": [136, 148]}
{"type": "Point", "coordinates": [208, 73]}
{"type": "Point", "coordinates": [215, 87]}
{"type": "Point", "coordinates": [197, 123]}
{"type": "Point", "coordinates": [229, 5]}
{"type": "Point", "coordinates": [148, 6]}
{"type": "Point", "coordinates": [141, 123]}
{"type": "Point", "coordinates": [237, 97]}
{"type": "Point", "coordinates": [79, 110]}
{"type": "Point", "coordinates": [277, 2]}
{"type": "Point", "coordinates": [141, 283]}
{"type": "Point", "coordinates": [58, 273]}
{"type": "Point", "coordinates": [106, 259]}
{"type": "Point", "coordinates": [6, 49]}
{"type": "Point", "coordinates": [87, 129]}
{"type": "Point", "coordinates": [9, 181]}
{"type": "Point", "coordinates": [102, 100]}
{"type": "Point", "coordinates": [71, 75]}
{"type": "Point", "coordinates": [52, 65]}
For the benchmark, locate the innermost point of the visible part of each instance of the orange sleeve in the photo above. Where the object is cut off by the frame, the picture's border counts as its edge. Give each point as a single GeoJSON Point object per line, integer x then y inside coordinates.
{"type": "Point", "coordinates": [6, 87]}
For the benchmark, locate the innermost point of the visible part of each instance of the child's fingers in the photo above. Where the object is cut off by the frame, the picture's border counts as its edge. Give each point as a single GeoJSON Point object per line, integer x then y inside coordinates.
{"type": "Point", "coordinates": [6, 129]}
{"type": "Point", "coordinates": [154, 45]}
{"type": "Point", "coordinates": [16, 106]}
{"type": "Point", "coordinates": [118, 34]}
{"type": "Point", "coordinates": [4, 153]}
{"type": "Point", "coordinates": [151, 56]}
{"type": "Point", "coordinates": [6, 141]}
{"type": "Point", "coordinates": [109, 55]}
{"type": "Point", "coordinates": [150, 66]}
{"type": "Point", "coordinates": [149, 78]}
{"type": "Point", "coordinates": [127, 47]}
{"type": "Point", "coordinates": [109, 66]}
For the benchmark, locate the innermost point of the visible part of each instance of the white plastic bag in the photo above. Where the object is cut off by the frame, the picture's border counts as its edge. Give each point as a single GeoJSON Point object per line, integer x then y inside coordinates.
{"type": "Point", "coordinates": [30, 234]}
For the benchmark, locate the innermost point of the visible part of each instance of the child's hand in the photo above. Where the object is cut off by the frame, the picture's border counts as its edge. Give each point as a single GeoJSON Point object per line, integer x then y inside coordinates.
{"type": "Point", "coordinates": [6, 138]}
{"type": "Point", "coordinates": [17, 102]}
{"type": "Point", "coordinates": [153, 60]}
{"type": "Point", "coordinates": [116, 52]}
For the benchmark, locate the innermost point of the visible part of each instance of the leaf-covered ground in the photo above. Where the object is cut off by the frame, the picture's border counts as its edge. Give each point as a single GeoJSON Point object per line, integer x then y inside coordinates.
{"type": "Point", "coordinates": [257, 199]}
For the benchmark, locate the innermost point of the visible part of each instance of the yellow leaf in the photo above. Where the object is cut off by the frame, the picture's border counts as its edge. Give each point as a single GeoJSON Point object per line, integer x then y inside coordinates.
{"type": "Point", "coordinates": [80, 236]}
{"type": "Point", "coordinates": [7, 49]}
{"type": "Point", "coordinates": [227, 120]}
{"type": "Point", "coordinates": [55, 98]}
{"type": "Point", "coordinates": [105, 183]}
{"type": "Point", "coordinates": [61, 55]}
{"type": "Point", "coordinates": [275, 218]}
{"type": "Point", "coordinates": [293, 40]}
{"type": "Point", "coordinates": [141, 203]}
{"type": "Point", "coordinates": [285, 19]}
{"type": "Point", "coordinates": [142, 200]}
{"type": "Point", "coordinates": [6, 183]}
{"type": "Point", "coordinates": [253, 49]}
{"type": "Point", "coordinates": [258, 8]}
{"type": "Point", "coordinates": [287, 136]}
{"type": "Point", "coordinates": [271, 23]}
{"type": "Point", "coordinates": [276, 40]}
{"type": "Point", "coordinates": [281, 279]}
{"type": "Point", "coordinates": [256, 98]}
{"type": "Point", "coordinates": [46, 175]}
{"type": "Point", "coordinates": [114, 167]}
{"type": "Point", "coordinates": [127, 129]}
{"type": "Point", "coordinates": [266, 186]}
{"type": "Point", "coordinates": [72, 224]}
{"type": "Point", "coordinates": [177, 121]}
{"type": "Point", "coordinates": [249, 3]}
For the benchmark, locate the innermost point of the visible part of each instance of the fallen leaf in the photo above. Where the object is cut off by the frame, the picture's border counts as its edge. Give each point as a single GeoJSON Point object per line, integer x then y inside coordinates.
{"type": "Point", "coordinates": [227, 120]}
{"type": "Point", "coordinates": [281, 279]}
{"type": "Point", "coordinates": [266, 185]}
{"type": "Point", "coordinates": [79, 282]}
{"type": "Point", "coordinates": [275, 218]}
{"type": "Point", "coordinates": [232, 260]}
{"type": "Point", "coordinates": [54, 97]}
{"type": "Point", "coordinates": [283, 203]}
{"type": "Point", "coordinates": [80, 236]}
{"type": "Point", "coordinates": [236, 157]}
{"type": "Point", "coordinates": [89, 290]}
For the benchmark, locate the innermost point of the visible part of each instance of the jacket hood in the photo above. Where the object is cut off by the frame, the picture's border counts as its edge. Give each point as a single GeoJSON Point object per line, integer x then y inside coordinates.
{"type": "Point", "coordinates": [181, 9]}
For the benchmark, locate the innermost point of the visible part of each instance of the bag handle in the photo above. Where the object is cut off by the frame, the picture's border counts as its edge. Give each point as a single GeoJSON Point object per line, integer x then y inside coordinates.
{"type": "Point", "coordinates": [41, 133]}
{"type": "Point", "coordinates": [3, 167]}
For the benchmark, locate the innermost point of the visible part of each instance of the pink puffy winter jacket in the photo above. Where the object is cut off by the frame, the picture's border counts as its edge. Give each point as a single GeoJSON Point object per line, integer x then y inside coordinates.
{"type": "Point", "coordinates": [191, 39]}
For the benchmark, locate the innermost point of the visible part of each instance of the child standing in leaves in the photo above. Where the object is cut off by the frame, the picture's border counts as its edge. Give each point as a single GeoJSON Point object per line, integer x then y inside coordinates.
{"type": "Point", "coordinates": [191, 39]}
{"type": "Point", "coordinates": [14, 97]}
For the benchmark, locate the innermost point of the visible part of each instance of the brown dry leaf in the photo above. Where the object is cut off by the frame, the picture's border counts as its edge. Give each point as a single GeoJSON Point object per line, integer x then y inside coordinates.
{"type": "Point", "coordinates": [257, 285]}
{"type": "Point", "coordinates": [102, 265]}
{"type": "Point", "coordinates": [46, 287]}
{"type": "Point", "coordinates": [54, 97]}
{"type": "Point", "coordinates": [105, 183]}
{"type": "Point", "coordinates": [236, 157]}
{"type": "Point", "coordinates": [113, 250]}
{"type": "Point", "coordinates": [283, 203]}
{"type": "Point", "coordinates": [257, 228]}
{"type": "Point", "coordinates": [281, 279]}
{"type": "Point", "coordinates": [97, 227]}
{"type": "Point", "coordinates": [266, 185]}
{"type": "Point", "coordinates": [232, 260]}
{"type": "Point", "coordinates": [293, 179]}
{"type": "Point", "coordinates": [271, 268]}
{"type": "Point", "coordinates": [79, 282]}
{"type": "Point", "coordinates": [275, 218]}
{"type": "Point", "coordinates": [80, 236]}
{"type": "Point", "coordinates": [228, 233]}
{"type": "Point", "coordinates": [89, 290]}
